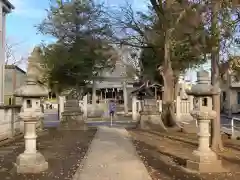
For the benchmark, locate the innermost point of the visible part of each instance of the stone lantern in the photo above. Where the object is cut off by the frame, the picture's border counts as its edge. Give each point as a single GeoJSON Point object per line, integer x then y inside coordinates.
{"type": "Point", "coordinates": [205, 159]}
{"type": "Point", "coordinates": [31, 161]}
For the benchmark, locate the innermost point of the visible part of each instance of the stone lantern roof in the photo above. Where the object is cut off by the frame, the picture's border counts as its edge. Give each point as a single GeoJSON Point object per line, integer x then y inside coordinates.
{"type": "Point", "coordinates": [32, 88]}
{"type": "Point", "coordinates": [203, 86]}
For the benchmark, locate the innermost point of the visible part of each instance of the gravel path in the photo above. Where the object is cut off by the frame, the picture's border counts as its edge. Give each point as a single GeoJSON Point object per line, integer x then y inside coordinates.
{"type": "Point", "coordinates": [112, 156]}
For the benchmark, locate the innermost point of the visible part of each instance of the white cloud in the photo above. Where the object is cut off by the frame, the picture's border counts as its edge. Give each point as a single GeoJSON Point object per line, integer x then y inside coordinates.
{"type": "Point", "coordinates": [25, 9]}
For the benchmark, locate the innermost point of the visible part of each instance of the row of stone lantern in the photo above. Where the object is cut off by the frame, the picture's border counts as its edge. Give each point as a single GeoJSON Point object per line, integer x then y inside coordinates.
{"type": "Point", "coordinates": [32, 161]}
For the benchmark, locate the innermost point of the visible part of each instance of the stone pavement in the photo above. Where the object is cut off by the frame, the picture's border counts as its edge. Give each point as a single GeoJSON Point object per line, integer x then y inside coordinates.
{"type": "Point", "coordinates": [112, 156]}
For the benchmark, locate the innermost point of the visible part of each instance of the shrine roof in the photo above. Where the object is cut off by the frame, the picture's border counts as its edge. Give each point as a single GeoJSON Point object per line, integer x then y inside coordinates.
{"type": "Point", "coordinates": [146, 89]}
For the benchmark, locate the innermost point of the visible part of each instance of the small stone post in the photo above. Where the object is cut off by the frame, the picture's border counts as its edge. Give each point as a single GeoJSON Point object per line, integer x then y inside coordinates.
{"type": "Point", "coordinates": [85, 104]}
{"type": "Point", "coordinates": [31, 161]}
{"type": "Point", "coordinates": [125, 98]}
{"type": "Point", "coordinates": [205, 159]}
{"type": "Point", "coordinates": [178, 107]}
{"type": "Point", "coordinates": [62, 100]}
{"type": "Point", "coordinates": [94, 95]}
{"type": "Point", "coordinates": [134, 108]}
{"type": "Point", "coordinates": [190, 98]}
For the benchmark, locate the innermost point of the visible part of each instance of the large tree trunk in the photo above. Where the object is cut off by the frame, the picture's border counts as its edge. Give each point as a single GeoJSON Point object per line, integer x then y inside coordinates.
{"type": "Point", "coordinates": [216, 140]}
{"type": "Point", "coordinates": [168, 107]}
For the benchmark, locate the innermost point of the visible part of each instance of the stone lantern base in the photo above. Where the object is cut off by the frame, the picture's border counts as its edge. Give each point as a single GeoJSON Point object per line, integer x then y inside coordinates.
{"type": "Point", "coordinates": [205, 162]}
{"type": "Point", "coordinates": [31, 163]}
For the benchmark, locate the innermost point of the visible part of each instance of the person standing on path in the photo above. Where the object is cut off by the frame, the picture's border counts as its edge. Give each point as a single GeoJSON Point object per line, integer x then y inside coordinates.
{"type": "Point", "coordinates": [112, 108]}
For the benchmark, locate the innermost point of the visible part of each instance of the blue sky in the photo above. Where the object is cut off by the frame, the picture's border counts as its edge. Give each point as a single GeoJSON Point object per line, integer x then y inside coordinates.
{"type": "Point", "coordinates": [28, 13]}
{"type": "Point", "coordinates": [21, 22]}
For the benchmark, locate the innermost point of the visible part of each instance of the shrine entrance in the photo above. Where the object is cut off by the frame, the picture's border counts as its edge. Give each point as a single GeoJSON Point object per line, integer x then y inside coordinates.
{"type": "Point", "coordinates": [104, 95]}
{"type": "Point", "coordinates": [110, 94]}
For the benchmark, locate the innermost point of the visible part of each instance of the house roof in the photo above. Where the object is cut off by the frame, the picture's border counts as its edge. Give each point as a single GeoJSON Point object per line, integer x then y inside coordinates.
{"type": "Point", "coordinates": [8, 5]}
{"type": "Point", "coordinates": [15, 67]}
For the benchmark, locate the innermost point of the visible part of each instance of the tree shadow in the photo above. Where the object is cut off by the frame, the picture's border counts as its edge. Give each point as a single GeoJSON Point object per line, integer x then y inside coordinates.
{"type": "Point", "coordinates": [232, 146]}
{"type": "Point", "coordinates": [154, 158]}
{"type": "Point", "coordinates": [169, 137]}
{"type": "Point", "coordinates": [231, 162]}
{"type": "Point", "coordinates": [174, 166]}
{"type": "Point", "coordinates": [188, 140]}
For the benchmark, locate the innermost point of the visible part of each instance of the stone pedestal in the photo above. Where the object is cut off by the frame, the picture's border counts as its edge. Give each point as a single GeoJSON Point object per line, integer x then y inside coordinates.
{"type": "Point", "coordinates": [150, 117]}
{"type": "Point", "coordinates": [151, 120]}
{"type": "Point", "coordinates": [30, 161]}
{"type": "Point", "coordinates": [71, 105]}
{"type": "Point", "coordinates": [72, 121]}
{"type": "Point", "coordinates": [72, 117]}
{"type": "Point", "coordinates": [205, 159]}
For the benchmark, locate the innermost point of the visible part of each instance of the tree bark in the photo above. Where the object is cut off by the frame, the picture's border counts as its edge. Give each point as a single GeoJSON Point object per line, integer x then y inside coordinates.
{"type": "Point", "coordinates": [168, 108]}
{"type": "Point", "coordinates": [216, 140]}
{"type": "Point", "coordinates": [176, 87]}
{"type": "Point", "coordinates": [168, 113]}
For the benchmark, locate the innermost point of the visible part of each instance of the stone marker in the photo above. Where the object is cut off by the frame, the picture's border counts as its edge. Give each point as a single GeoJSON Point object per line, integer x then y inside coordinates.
{"type": "Point", "coordinates": [31, 161]}
{"type": "Point", "coordinates": [150, 117]}
{"type": "Point", "coordinates": [205, 159]}
{"type": "Point", "coordinates": [72, 116]}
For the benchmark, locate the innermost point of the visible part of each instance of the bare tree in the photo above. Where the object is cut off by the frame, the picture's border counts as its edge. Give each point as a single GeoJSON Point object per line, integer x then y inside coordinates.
{"type": "Point", "coordinates": [131, 61]}
{"type": "Point", "coordinates": [11, 57]}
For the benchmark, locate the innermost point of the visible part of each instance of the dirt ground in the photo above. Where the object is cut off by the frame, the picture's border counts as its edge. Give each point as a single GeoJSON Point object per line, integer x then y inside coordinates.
{"type": "Point", "coordinates": [63, 150]}
{"type": "Point", "coordinates": [165, 156]}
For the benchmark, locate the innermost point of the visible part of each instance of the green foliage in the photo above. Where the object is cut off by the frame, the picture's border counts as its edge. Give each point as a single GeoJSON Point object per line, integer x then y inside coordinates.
{"type": "Point", "coordinates": [81, 50]}
{"type": "Point", "coordinates": [73, 65]}
{"type": "Point", "coordinates": [150, 62]}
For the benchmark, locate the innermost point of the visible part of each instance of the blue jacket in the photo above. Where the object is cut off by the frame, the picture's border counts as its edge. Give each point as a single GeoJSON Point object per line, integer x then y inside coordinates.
{"type": "Point", "coordinates": [112, 107]}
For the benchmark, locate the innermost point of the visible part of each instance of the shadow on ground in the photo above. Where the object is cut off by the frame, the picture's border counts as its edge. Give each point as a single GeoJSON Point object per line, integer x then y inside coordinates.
{"type": "Point", "coordinates": [163, 164]}
{"type": "Point", "coordinates": [63, 150]}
